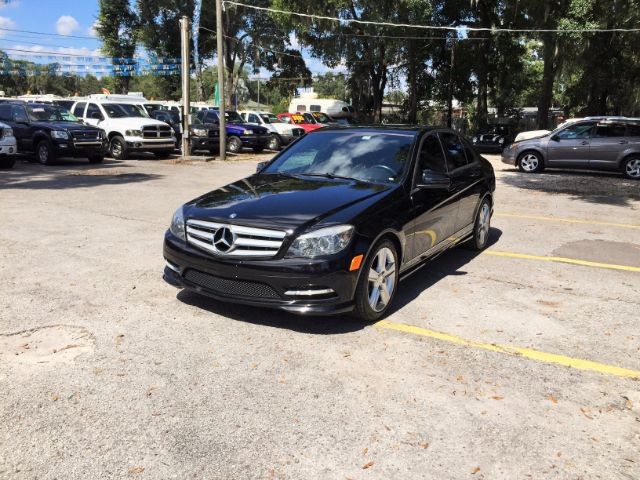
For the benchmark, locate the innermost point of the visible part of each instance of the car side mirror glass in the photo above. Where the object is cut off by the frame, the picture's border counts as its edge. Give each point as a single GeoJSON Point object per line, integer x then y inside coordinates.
{"type": "Point", "coordinates": [260, 166]}
{"type": "Point", "coordinates": [555, 138]}
{"type": "Point", "coordinates": [434, 180]}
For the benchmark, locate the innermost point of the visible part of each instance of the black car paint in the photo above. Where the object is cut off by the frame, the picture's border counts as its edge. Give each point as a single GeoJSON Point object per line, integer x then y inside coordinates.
{"type": "Point", "coordinates": [170, 118]}
{"type": "Point", "coordinates": [421, 221]}
{"type": "Point", "coordinates": [29, 133]}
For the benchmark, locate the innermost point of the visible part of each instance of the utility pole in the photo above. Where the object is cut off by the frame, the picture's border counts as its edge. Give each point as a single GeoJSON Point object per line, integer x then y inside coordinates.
{"type": "Point", "coordinates": [221, 105]}
{"type": "Point", "coordinates": [186, 102]}
{"type": "Point", "coordinates": [450, 93]}
{"type": "Point", "coordinates": [258, 92]}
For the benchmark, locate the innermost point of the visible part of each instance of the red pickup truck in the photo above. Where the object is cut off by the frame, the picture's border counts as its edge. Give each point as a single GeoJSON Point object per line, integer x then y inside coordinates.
{"type": "Point", "coordinates": [298, 119]}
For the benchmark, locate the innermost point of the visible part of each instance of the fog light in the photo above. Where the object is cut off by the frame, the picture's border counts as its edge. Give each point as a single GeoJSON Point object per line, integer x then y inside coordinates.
{"type": "Point", "coordinates": [310, 292]}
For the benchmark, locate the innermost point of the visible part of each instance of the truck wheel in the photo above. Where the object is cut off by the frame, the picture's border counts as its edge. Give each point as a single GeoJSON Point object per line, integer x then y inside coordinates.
{"type": "Point", "coordinates": [274, 143]}
{"type": "Point", "coordinates": [118, 148]}
{"type": "Point", "coordinates": [96, 159]}
{"type": "Point", "coordinates": [44, 153]}
{"type": "Point", "coordinates": [7, 161]}
{"type": "Point", "coordinates": [234, 145]}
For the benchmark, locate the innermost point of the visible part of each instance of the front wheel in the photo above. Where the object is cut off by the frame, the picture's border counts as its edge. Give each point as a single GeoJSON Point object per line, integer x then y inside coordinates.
{"type": "Point", "coordinates": [631, 168]}
{"type": "Point", "coordinates": [234, 145]}
{"type": "Point", "coordinates": [530, 162]}
{"type": "Point", "coordinates": [274, 143]}
{"type": "Point", "coordinates": [481, 227]}
{"type": "Point", "coordinates": [377, 283]}
{"type": "Point", "coordinates": [118, 148]}
{"type": "Point", "coordinates": [44, 153]}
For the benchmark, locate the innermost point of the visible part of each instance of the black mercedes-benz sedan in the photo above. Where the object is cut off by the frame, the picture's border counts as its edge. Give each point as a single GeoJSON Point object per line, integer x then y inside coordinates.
{"type": "Point", "coordinates": [333, 221]}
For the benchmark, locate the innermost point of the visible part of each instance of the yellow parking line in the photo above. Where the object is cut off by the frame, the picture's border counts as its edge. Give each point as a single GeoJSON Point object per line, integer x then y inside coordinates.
{"type": "Point", "coordinates": [572, 261]}
{"type": "Point", "coordinates": [568, 220]}
{"type": "Point", "coordinates": [529, 353]}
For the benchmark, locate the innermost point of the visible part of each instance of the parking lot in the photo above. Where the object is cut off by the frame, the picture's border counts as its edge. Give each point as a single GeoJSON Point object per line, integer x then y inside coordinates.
{"type": "Point", "coordinates": [520, 362]}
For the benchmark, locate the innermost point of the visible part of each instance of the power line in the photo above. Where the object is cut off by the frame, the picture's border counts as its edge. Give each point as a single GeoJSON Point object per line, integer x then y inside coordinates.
{"type": "Point", "coordinates": [434, 27]}
{"type": "Point", "coordinates": [48, 34]}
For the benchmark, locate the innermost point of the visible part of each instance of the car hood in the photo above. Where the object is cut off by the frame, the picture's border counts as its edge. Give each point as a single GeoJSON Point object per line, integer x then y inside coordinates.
{"type": "Point", "coordinates": [66, 126]}
{"type": "Point", "coordinates": [531, 135]}
{"type": "Point", "coordinates": [241, 127]}
{"type": "Point", "coordinates": [132, 123]}
{"type": "Point", "coordinates": [284, 202]}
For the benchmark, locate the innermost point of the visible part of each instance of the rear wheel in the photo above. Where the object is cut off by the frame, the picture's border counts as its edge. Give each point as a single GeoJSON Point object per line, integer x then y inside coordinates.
{"type": "Point", "coordinates": [631, 168]}
{"type": "Point", "coordinates": [44, 153]}
{"type": "Point", "coordinates": [274, 143]}
{"type": "Point", "coordinates": [234, 145]}
{"type": "Point", "coordinates": [7, 161]}
{"type": "Point", "coordinates": [96, 159]}
{"type": "Point", "coordinates": [530, 162]}
{"type": "Point", "coordinates": [118, 148]}
{"type": "Point", "coordinates": [377, 283]}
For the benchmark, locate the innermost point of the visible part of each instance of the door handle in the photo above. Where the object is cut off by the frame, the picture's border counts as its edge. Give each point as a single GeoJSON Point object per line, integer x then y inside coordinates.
{"type": "Point", "coordinates": [623, 142]}
{"type": "Point", "coordinates": [584, 142]}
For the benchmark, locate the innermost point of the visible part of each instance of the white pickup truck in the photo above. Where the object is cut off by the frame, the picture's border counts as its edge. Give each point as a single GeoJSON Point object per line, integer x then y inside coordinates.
{"type": "Point", "coordinates": [128, 126]}
{"type": "Point", "coordinates": [8, 146]}
{"type": "Point", "coordinates": [282, 133]}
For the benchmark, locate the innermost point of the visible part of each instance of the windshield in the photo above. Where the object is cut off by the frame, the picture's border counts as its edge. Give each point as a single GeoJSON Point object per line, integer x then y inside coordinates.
{"type": "Point", "coordinates": [309, 118]}
{"type": "Point", "coordinates": [233, 117]}
{"type": "Point", "coordinates": [270, 118]}
{"type": "Point", "coordinates": [50, 113]}
{"type": "Point", "coordinates": [297, 118]}
{"type": "Point", "coordinates": [321, 117]}
{"type": "Point", "coordinates": [367, 156]}
{"type": "Point", "coordinates": [122, 110]}
{"type": "Point", "coordinates": [498, 129]}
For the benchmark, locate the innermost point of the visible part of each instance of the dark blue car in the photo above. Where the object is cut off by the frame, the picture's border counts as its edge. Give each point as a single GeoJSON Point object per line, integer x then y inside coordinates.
{"type": "Point", "coordinates": [239, 134]}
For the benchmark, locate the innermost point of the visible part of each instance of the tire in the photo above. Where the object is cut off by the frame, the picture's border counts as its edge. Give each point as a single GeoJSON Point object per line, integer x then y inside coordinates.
{"type": "Point", "coordinates": [631, 168]}
{"type": "Point", "coordinates": [118, 148]}
{"type": "Point", "coordinates": [481, 228]}
{"type": "Point", "coordinates": [234, 145]}
{"type": "Point", "coordinates": [530, 162]}
{"type": "Point", "coordinates": [274, 143]}
{"type": "Point", "coordinates": [258, 149]}
{"type": "Point", "coordinates": [380, 274]}
{"type": "Point", "coordinates": [96, 159]}
{"type": "Point", "coordinates": [44, 152]}
{"type": "Point", "coordinates": [162, 155]}
{"type": "Point", "coordinates": [7, 162]}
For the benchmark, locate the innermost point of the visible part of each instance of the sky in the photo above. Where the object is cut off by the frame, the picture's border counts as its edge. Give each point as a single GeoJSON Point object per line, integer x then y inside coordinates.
{"type": "Point", "coordinates": [60, 19]}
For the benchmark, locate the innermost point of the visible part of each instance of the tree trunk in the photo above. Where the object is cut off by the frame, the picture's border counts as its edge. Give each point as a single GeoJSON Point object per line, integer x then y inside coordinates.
{"type": "Point", "coordinates": [412, 80]}
{"type": "Point", "coordinates": [122, 84]}
{"type": "Point", "coordinates": [548, 78]}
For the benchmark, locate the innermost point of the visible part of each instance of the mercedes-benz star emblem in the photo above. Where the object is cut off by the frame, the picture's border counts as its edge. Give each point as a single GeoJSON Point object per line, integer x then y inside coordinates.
{"type": "Point", "coordinates": [223, 240]}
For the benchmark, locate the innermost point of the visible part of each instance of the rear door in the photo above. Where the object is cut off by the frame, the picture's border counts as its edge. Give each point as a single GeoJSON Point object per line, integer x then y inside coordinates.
{"type": "Point", "coordinates": [570, 146]}
{"type": "Point", "coordinates": [434, 211]}
{"type": "Point", "coordinates": [608, 142]}
{"type": "Point", "coordinates": [23, 131]}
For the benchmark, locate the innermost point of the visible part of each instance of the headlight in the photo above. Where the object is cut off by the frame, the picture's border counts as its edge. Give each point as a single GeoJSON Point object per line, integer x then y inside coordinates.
{"type": "Point", "coordinates": [7, 132]}
{"type": "Point", "coordinates": [200, 132]}
{"type": "Point", "coordinates": [177, 224]}
{"type": "Point", "coordinates": [60, 135]}
{"type": "Point", "coordinates": [475, 139]}
{"type": "Point", "coordinates": [248, 132]}
{"type": "Point", "coordinates": [325, 241]}
{"type": "Point", "coordinates": [133, 133]}
{"type": "Point", "coordinates": [501, 141]}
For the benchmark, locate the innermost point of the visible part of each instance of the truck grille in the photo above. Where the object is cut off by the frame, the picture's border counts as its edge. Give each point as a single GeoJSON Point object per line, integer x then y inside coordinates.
{"type": "Point", "coordinates": [86, 135]}
{"type": "Point", "coordinates": [156, 131]}
{"type": "Point", "coordinates": [214, 133]}
{"type": "Point", "coordinates": [230, 288]}
{"type": "Point", "coordinates": [298, 132]}
{"type": "Point", "coordinates": [234, 240]}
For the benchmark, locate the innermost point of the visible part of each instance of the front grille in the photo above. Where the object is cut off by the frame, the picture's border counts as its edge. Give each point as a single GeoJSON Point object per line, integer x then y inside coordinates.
{"type": "Point", "coordinates": [230, 288]}
{"type": "Point", "coordinates": [298, 132]}
{"type": "Point", "coordinates": [85, 135]}
{"type": "Point", "coordinates": [247, 241]}
{"type": "Point", "coordinates": [156, 131]}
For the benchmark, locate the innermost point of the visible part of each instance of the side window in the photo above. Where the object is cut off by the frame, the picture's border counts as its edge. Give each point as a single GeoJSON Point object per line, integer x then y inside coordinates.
{"type": "Point", "coordinates": [454, 150]}
{"type": "Point", "coordinates": [79, 110]}
{"type": "Point", "coordinates": [5, 112]}
{"type": "Point", "coordinates": [431, 155]}
{"type": "Point", "coordinates": [315, 108]}
{"type": "Point", "coordinates": [469, 151]}
{"type": "Point", "coordinates": [576, 132]}
{"type": "Point", "coordinates": [608, 130]}
{"type": "Point", "coordinates": [253, 118]}
{"type": "Point", "coordinates": [19, 111]}
{"type": "Point", "coordinates": [93, 111]}
{"type": "Point", "coordinates": [633, 130]}
{"type": "Point", "coordinates": [301, 108]}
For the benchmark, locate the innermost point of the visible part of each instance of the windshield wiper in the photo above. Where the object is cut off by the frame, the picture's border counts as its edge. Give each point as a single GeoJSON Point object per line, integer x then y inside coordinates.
{"type": "Point", "coordinates": [332, 176]}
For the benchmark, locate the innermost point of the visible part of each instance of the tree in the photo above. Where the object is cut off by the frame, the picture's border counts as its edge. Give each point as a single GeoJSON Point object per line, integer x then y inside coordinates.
{"type": "Point", "coordinates": [118, 28]}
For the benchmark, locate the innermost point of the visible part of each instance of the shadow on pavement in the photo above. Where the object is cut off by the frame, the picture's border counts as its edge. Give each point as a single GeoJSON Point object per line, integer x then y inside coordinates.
{"type": "Point", "coordinates": [449, 263]}
{"type": "Point", "coordinates": [608, 188]}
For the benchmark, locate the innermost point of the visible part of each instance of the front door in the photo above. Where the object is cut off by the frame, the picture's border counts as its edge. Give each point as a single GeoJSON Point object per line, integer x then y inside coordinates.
{"type": "Point", "coordinates": [570, 146]}
{"type": "Point", "coordinates": [433, 210]}
{"type": "Point", "coordinates": [22, 130]}
{"type": "Point", "coordinates": [608, 142]}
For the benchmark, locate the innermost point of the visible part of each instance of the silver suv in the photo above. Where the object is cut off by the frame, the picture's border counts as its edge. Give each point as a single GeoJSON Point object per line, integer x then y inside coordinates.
{"type": "Point", "coordinates": [603, 143]}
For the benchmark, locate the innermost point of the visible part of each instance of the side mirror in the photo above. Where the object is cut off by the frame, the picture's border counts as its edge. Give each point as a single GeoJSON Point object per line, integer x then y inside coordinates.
{"type": "Point", "coordinates": [21, 119]}
{"type": "Point", "coordinates": [434, 181]}
{"type": "Point", "coordinates": [555, 138]}
{"type": "Point", "coordinates": [97, 116]}
{"type": "Point", "coordinates": [260, 166]}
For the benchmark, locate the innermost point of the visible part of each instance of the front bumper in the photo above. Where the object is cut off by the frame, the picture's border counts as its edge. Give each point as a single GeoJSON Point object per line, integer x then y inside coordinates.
{"type": "Point", "coordinates": [69, 148]}
{"type": "Point", "coordinates": [253, 141]}
{"type": "Point", "coordinates": [205, 143]}
{"type": "Point", "coordinates": [8, 146]}
{"type": "Point", "coordinates": [509, 156]}
{"type": "Point", "coordinates": [137, 144]}
{"type": "Point", "coordinates": [262, 283]}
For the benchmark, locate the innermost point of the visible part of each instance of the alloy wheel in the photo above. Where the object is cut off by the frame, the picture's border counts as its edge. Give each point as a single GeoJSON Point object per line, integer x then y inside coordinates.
{"type": "Point", "coordinates": [116, 149]}
{"type": "Point", "coordinates": [43, 153]}
{"type": "Point", "coordinates": [529, 162]}
{"type": "Point", "coordinates": [632, 168]}
{"type": "Point", "coordinates": [382, 279]}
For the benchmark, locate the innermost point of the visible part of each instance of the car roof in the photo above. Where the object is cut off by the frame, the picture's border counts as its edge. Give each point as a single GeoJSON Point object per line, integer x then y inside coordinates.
{"type": "Point", "coordinates": [406, 129]}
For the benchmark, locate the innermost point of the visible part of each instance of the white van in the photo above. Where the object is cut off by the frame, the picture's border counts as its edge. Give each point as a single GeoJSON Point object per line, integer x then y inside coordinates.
{"type": "Point", "coordinates": [333, 108]}
{"type": "Point", "coordinates": [127, 124]}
